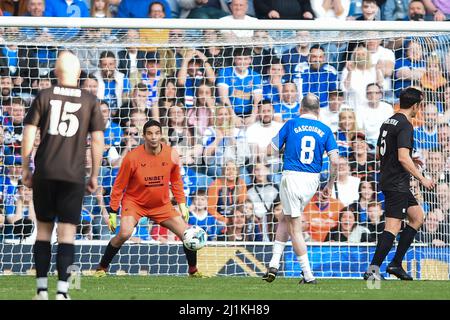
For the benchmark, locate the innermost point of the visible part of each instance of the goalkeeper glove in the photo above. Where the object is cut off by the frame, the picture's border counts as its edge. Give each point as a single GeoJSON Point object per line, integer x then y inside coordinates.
{"type": "Point", "coordinates": [184, 211]}
{"type": "Point", "coordinates": [112, 220]}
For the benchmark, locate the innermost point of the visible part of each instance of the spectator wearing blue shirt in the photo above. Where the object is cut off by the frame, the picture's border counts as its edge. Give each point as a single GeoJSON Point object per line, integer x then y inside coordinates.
{"type": "Point", "coordinates": [410, 69]}
{"type": "Point", "coordinates": [152, 78]}
{"type": "Point", "coordinates": [66, 9]}
{"type": "Point", "coordinates": [11, 184]}
{"type": "Point", "coordinates": [288, 107]}
{"type": "Point", "coordinates": [113, 131]}
{"type": "Point", "coordinates": [318, 77]}
{"type": "Point", "coordinates": [273, 82]}
{"type": "Point", "coordinates": [35, 8]}
{"type": "Point", "coordinates": [426, 136]}
{"type": "Point", "coordinates": [113, 86]}
{"type": "Point", "coordinates": [194, 70]}
{"type": "Point", "coordinates": [296, 56]}
{"type": "Point", "coordinates": [139, 8]}
{"type": "Point", "coordinates": [395, 10]}
{"type": "Point", "coordinates": [240, 87]}
{"type": "Point", "coordinates": [199, 216]}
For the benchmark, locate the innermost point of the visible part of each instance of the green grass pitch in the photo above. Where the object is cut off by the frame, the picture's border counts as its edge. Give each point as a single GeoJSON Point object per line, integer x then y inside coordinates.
{"type": "Point", "coordinates": [225, 288]}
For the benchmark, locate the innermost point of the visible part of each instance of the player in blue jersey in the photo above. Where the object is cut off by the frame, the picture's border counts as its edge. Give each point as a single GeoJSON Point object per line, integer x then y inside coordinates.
{"type": "Point", "coordinates": [240, 87]}
{"type": "Point", "coordinates": [304, 139]}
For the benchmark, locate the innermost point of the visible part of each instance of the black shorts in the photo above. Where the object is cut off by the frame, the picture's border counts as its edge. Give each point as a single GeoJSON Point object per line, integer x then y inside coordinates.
{"type": "Point", "coordinates": [58, 199]}
{"type": "Point", "coordinates": [397, 203]}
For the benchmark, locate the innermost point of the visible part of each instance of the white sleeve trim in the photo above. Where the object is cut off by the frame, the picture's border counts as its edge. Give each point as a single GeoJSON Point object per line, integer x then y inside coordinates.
{"type": "Point", "coordinates": [274, 146]}
{"type": "Point", "coordinates": [333, 152]}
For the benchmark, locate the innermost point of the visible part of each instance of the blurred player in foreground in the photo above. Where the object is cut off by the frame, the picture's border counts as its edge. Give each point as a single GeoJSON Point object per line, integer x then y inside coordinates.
{"type": "Point", "coordinates": [65, 115]}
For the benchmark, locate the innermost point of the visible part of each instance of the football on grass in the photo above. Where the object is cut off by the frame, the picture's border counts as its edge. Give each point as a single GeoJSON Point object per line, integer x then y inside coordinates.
{"type": "Point", "coordinates": [194, 238]}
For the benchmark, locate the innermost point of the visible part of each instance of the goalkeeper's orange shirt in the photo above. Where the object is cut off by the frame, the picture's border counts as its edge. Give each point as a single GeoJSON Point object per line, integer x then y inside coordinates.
{"type": "Point", "coordinates": [145, 179]}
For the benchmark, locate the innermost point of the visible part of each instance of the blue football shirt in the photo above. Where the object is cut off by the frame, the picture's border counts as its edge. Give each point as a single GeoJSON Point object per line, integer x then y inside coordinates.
{"type": "Point", "coordinates": [240, 88]}
{"type": "Point", "coordinates": [305, 140]}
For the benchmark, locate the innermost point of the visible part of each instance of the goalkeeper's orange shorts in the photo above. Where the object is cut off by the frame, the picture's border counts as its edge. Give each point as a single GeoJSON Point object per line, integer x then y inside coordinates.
{"type": "Point", "coordinates": [158, 215]}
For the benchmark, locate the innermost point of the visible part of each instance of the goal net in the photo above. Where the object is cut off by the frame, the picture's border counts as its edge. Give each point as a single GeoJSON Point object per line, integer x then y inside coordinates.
{"type": "Point", "coordinates": [221, 92]}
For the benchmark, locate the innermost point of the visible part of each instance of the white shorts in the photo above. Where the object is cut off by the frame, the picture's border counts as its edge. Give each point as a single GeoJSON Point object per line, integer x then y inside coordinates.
{"type": "Point", "coordinates": [296, 189]}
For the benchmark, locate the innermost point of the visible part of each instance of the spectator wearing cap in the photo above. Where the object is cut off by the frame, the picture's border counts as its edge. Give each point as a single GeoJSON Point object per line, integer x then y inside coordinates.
{"type": "Point", "coordinates": [113, 86]}
{"type": "Point", "coordinates": [362, 159]}
{"type": "Point", "coordinates": [139, 8]}
{"type": "Point", "coordinates": [370, 116]}
{"type": "Point", "coordinates": [330, 114]}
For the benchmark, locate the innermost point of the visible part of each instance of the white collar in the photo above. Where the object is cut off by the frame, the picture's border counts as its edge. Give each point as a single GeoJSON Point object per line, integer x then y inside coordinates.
{"type": "Point", "coordinates": [309, 116]}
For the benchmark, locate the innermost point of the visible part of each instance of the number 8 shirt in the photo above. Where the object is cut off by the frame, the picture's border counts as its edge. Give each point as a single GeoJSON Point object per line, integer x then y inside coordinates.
{"type": "Point", "coordinates": [64, 116]}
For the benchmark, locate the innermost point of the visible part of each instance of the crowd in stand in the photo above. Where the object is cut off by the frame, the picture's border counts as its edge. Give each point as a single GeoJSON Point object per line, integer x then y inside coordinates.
{"type": "Point", "coordinates": [220, 106]}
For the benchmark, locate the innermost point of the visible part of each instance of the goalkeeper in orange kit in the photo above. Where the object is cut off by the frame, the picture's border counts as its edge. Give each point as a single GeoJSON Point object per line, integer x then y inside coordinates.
{"type": "Point", "coordinates": [141, 190]}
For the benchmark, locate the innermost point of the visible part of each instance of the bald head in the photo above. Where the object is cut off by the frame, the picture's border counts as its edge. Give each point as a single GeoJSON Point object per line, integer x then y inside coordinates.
{"type": "Point", "coordinates": [310, 104]}
{"type": "Point", "coordinates": [67, 69]}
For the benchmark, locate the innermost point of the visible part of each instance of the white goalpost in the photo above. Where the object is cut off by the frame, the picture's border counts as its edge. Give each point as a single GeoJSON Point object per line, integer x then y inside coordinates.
{"type": "Point", "coordinates": [222, 90]}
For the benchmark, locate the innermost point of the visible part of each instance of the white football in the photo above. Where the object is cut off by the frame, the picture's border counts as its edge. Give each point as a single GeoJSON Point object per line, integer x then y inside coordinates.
{"type": "Point", "coordinates": [194, 238]}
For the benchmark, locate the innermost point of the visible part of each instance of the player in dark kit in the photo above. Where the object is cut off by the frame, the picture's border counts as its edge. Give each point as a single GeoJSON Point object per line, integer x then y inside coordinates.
{"type": "Point", "coordinates": [64, 115]}
{"type": "Point", "coordinates": [394, 150]}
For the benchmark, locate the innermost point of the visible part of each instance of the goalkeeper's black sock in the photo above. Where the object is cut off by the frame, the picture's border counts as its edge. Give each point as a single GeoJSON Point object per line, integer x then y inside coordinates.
{"type": "Point", "coordinates": [191, 257]}
{"type": "Point", "coordinates": [384, 245]}
{"type": "Point", "coordinates": [109, 254]}
{"type": "Point", "coordinates": [406, 238]}
{"type": "Point", "coordinates": [42, 257]}
{"type": "Point", "coordinates": [64, 259]}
